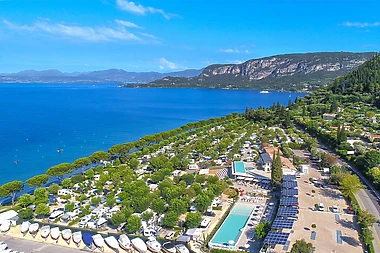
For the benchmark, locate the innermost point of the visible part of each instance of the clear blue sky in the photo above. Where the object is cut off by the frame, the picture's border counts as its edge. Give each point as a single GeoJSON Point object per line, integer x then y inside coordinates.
{"type": "Point", "coordinates": [170, 35]}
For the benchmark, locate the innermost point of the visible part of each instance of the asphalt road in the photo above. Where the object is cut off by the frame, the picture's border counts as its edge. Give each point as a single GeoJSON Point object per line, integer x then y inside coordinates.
{"type": "Point", "coordinates": [27, 246]}
{"type": "Point", "coordinates": [368, 198]}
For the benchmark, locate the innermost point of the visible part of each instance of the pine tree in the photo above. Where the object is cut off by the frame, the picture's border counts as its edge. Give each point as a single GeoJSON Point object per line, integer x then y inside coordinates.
{"type": "Point", "coordinates": [276, 173]}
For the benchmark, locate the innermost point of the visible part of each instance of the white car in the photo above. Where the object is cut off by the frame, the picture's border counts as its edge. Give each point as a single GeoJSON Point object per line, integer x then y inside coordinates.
{"type": "Point", "coordinates": [170, 235]}
{"type": "Point", "coordinates": [334, 209]}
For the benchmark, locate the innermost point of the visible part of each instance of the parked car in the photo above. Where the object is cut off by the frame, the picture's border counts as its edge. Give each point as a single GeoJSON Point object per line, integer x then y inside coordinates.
{"type": "Point", "coordinates": [334, 209]}
{"type": "Point", "coordinates": [170, 235]}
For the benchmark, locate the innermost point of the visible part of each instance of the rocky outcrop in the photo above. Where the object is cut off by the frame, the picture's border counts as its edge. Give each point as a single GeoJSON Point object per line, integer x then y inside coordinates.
{"type": "Point", "coordinates": [290, 70]}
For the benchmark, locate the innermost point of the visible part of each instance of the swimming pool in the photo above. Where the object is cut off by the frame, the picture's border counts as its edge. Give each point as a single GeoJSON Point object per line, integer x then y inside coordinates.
{"type": "Point", "coordinates": [239, 167]}
{"type": "Point", "coordinates": [233, 226]}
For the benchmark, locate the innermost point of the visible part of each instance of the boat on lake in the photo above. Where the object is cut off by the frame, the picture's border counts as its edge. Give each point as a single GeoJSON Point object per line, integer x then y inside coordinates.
{"type": "Point", "coordinates": [139, 245]}
{"type": "Point", "coordinates": [77, 238]}
{"type": "Point", "coordinates": [125, 243]}
{"type": "Point", "coordinates": [182, 248]}
{"type": "Point", "coordinates": [33, 229]}
{"type": "Point", "coordinates": [112, 242]}
{"type": "Point", "coordinates": [25, 227]}
{"type": "Point", "coordinates": [60, 150]}
{"type": "Point", "coordinates": [264, 92]}
{"type": "Point", "coordinates": [5, 226]}
{"type": "Point", "coordinates": [66, 235]}
{"type": "Point", "coordinates": [55, 233]}
{"type": "Point", "coordinates": [153, 245]}
{"type": "Point", "coordinates": [45, 231]}
{"type": "Point", "coordinates": [98, 241]}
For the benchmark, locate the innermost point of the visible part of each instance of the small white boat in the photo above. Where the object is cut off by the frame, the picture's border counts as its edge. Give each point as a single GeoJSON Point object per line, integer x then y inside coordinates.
{"type": "Point", "coordinates": [55, 233]}
{"type": "Point", "coordinates": [111, 242]}
{"type": "Point", "coordinates": [25, 227]}
{"type": "Point", "coordinates": [33, 229]}
{"type": "Point", "coordinates": [182, 248]}
{"type": "Point", "coordinates": [66, 234]}
{"type": "Point", "coordinates": [45, 231]}
{"type": "Point", "coordinates": [169, 247]}
{"type": "Point", "coordinates": [264, 92]}
{"type": "Point", "coordinates": [5, 226]}
{"type": "Point", "coordinates": [98, 240]}
{"type": "Point", "coordinates": [77, 237]}
{"type": "Point", "coordinates": [3, 246]}
{"type": "Point", "coordinates": [124, 242]}
{"type": "Point", "coordinates": [153, 245]}
{"type": "Point", "coordinates": [139, 245]}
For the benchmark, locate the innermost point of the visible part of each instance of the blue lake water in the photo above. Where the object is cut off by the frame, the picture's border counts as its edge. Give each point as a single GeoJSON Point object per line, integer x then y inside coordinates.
{"type": "Point", "coordinates": [38, 119]}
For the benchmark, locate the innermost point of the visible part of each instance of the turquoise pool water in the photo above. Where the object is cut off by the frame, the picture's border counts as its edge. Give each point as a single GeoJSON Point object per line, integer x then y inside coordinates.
{"type": "Point", "coordinates": [239, 167]}
{"type": "Point", "coordinates": [236, 220]}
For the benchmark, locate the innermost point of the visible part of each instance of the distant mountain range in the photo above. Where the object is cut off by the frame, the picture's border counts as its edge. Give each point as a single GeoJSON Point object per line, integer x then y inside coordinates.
{"type": "Point", "coordinates": [299, 72]}
{"type": "Point", "coordinates": [101, 76]}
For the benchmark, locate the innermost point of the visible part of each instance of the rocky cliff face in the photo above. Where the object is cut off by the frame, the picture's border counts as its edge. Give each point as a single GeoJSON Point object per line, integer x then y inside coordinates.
{"type": "Point", "coordinates": [287, 65]}
{"type": "Point", "coordinates": [280, 71]}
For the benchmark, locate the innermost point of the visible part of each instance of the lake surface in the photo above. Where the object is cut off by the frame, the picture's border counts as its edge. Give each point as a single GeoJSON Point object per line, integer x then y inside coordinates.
{"type": "Point", "coordinates": [38, 119]}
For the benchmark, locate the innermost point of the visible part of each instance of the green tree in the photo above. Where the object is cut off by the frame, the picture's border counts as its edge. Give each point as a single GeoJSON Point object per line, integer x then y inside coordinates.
{"type": "Point", "coordinates": [133, 224]}
{"type": "Point", "coordinates": [262, 229]}
{"type": "Point", "coordinates": [201, 179]}
{"type": "Point", "coordinates": [26, 213]}
{"type": "Point", "coordinates": [11, 189]}
{"type": "Point", "coordinates": [170, 219]}
{"type": "Point", "coordinates": [276, 172]}
{"type": "Point", "coordinates": [53, 188]}
{"type": "Point", "coordinates": [118, 218]}
{"type": "Point", "coordinates": [81, 162]}
{"type": "Point", "coordinates": [37, 181]}
{"type": "Point", "coordinates": [350, 185]}
{"type": "Point", "coordinates": [147, 215]}
{"type": "Point", "coordinates": [40, 196]}
{"type": "Point", "coordinates": [193, 220]}
{"type": "Point", "coordinates": [59, 170]}
{"type": "Point", "coordinates": [178, 205]}
{"type": "Point", "coordinates": [366, 219]}
{"type": "Point", "coordinates": [99, 156]}
{"type": "Point", "coordinates": [188, 178]}
{"type": "Point", "coordinates": [134, 163]}
{"type": "Point", "coordinates": [66, 183]}
{"type": "Point", "coordinates": [25, 200]}
{"type": "Point", "coordinates": [69, 206]}
{"type": "Point", "coordinates": [111, 201]}
{"type": "Point", "coordinates": [42, 210]}
{"type": "Point", "coordinates": [95, 200]}
{"type": "Point", "coordinates": [90, 173]}
{"type": "Point", "coordinates": [301, 246]}
{"type": "Point", "coordinates": [366, 236]}
{"type": "Point", "coordinates": [158, 205]}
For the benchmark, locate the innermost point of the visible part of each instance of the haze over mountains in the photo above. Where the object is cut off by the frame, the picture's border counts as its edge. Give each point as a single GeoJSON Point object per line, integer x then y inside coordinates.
{"type": "Point", "coordinates": [109, 75]}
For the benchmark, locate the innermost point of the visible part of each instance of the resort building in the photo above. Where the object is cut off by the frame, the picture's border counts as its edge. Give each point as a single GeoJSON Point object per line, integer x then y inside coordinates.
{"type": "Point", "coordinates": [241, 170]}
{"type": "Point", "coordinates": [329, 116]}
{"type": "Point", "coordinates": [265, 161]}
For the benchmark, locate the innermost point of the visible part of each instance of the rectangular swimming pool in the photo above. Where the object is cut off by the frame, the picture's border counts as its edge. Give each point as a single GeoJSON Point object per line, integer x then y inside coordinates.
{"type": "Point", "coordinates": [239, 167]}
{"type": "Point", "coordinates": [233, 226]}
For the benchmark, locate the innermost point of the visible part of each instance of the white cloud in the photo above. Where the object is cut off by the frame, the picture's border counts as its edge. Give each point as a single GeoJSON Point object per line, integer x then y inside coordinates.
{"type": "Point", "coordinates": [73, 31]}
{"type": "Point", "coordinates": [139, 9]}
{"type": "Point", "coordinates": [167, 64]}
{"type": "Point", "coordinates": [235, 61]}
{"type": "Point", "coordinates": [126, 23]}
{"type": "Point", "coordinates": [234, 51]}
{"type": "Point", "coordinates": [147, 35]}
{"type": "Point", "coordinates": [361, 24]}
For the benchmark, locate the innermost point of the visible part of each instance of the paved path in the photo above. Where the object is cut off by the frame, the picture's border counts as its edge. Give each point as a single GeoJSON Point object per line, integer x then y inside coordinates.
{"type": "Point", "coordinates": [28, 246]}
{"type": "Point", "coordinates": [368, 198]}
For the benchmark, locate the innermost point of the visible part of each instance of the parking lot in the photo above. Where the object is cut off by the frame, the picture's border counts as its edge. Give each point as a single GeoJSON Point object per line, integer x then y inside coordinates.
{"type": "Point", "coordinates": [334, 232]}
